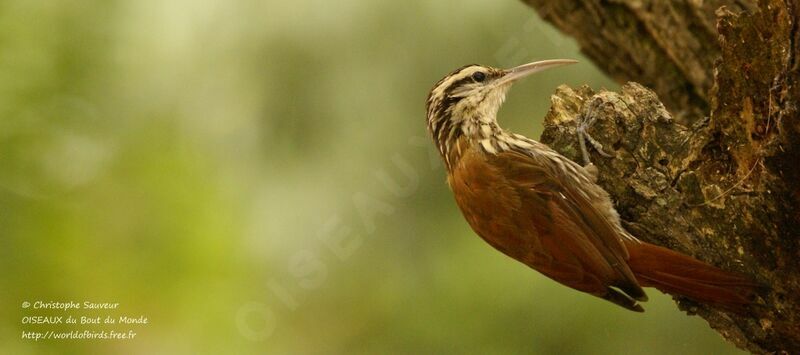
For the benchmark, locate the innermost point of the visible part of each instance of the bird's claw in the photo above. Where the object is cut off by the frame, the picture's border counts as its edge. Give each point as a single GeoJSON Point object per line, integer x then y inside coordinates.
{"type": "Point", "coordinates": [584, 136]}
{"type": "Point", "coordinates": [595, 144]}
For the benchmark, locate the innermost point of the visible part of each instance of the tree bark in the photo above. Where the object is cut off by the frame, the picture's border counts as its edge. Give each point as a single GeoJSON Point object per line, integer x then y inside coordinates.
{"type": "Point", "coordinates": [714, 171]}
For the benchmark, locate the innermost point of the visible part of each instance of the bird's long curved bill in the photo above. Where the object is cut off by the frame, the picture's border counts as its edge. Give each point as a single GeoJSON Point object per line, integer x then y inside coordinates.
{"type": "Point", "coordinates": [524, 70]}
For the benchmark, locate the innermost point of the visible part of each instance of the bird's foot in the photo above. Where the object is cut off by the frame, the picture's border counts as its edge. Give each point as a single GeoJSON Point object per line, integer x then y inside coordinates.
{"type": "Point", "coordinates": [586, 121]}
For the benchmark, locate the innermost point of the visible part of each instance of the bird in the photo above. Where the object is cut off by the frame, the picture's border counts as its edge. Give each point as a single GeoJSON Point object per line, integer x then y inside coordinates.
{"type": "Point", "coordinates": [544, 210]}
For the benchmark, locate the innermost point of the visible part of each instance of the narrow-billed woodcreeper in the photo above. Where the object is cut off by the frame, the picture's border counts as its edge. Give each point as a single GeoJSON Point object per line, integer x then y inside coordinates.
{"type": "Point", "coordinates": [546, 211]}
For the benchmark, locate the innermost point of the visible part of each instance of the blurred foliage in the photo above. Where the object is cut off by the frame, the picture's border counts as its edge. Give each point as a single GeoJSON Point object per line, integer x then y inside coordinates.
{"type": "Point", "coordinates": [190, 159]}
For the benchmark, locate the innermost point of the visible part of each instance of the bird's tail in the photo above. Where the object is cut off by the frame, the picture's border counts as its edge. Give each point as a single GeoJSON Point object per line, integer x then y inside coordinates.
{"type": "Point", "coordinates": [681, 275]}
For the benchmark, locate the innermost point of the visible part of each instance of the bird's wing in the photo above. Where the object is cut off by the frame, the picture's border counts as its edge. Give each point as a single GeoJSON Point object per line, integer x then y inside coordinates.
{"type": "Point", "coordinates": [573, 232]}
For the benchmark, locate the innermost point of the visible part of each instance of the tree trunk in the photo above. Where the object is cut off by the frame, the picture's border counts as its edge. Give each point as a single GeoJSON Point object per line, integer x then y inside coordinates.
{"type": "Point", "coordinates": [714, 171]}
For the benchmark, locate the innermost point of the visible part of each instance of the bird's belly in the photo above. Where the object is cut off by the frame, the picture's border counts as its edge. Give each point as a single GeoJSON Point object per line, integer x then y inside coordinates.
{"type": "Point", "coordinates": [499, 233]}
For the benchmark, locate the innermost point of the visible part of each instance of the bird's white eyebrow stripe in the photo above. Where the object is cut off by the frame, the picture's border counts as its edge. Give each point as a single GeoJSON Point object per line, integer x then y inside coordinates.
{"type": "Point", "coordinates": [464, 74]}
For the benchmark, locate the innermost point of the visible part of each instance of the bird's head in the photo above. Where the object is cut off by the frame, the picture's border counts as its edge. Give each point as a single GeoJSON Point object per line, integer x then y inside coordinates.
{"type": "Point", "coordinates": [473, 94]}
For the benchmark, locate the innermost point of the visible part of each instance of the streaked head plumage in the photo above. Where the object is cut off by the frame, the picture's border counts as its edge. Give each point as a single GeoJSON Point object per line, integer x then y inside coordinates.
{"type": "Point", "coordinates": [465, 102]}
{"type": "Point", "coordinates": [461, 93]}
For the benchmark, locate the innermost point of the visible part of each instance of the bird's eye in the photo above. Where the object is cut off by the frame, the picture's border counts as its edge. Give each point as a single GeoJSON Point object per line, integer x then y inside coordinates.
{"type": "Point", "coordinates": [478, 76]}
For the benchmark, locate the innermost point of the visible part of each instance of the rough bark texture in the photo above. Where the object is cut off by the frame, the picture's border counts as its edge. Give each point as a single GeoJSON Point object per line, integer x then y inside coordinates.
{"type": "Point", "coordinates": [667, 45]}
{"type": "Point", "coordinates": [714, 171]}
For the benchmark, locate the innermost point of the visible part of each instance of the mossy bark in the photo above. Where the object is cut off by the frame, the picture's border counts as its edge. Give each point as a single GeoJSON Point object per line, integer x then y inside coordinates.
{"type": "Point", "coordinates": [714, 171]}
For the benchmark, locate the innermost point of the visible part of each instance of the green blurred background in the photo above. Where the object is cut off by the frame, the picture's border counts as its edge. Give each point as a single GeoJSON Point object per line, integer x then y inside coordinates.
{"type": "Point", "coordinates": [255, 177]}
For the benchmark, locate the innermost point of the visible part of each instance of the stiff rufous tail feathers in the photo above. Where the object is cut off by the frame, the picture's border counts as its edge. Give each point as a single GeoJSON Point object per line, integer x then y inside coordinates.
{"type": "Point", "coordinates": [681, 275]}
